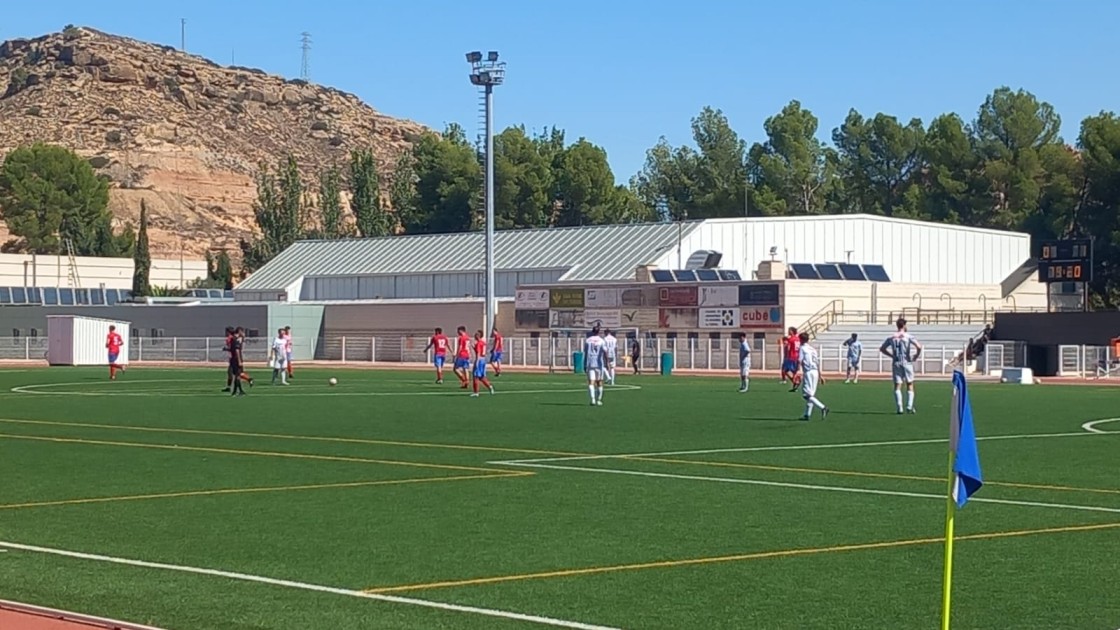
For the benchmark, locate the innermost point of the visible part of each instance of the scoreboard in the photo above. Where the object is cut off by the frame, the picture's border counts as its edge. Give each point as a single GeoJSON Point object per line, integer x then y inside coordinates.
{"type": "Point", "coordinates": [1069, 260]}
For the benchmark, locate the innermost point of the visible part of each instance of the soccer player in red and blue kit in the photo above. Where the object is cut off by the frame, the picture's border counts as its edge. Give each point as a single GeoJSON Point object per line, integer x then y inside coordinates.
{"type": "Point", "coordinates": [113, 343]}
{"type": "Point", "coordinates": [791, 346]}
{"type": "Point", "coordinates": [463, 358]}
{"type": "Point", "coordinates": [479, 373]}
{"type": "Point", "coordinates": [496, 352]}
{"type": "Point", "coordinates": [439, 342]}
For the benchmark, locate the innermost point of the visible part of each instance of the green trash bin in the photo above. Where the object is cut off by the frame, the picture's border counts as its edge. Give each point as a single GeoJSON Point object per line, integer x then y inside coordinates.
{"type": "Point", "coordinates": [577, 362]}
{"type": "Point", "coordinates": [666, 363]}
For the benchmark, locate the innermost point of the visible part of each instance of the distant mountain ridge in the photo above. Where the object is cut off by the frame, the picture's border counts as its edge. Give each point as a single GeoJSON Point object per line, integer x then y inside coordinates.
{"type": "Point", "coordinates": [179, 131]}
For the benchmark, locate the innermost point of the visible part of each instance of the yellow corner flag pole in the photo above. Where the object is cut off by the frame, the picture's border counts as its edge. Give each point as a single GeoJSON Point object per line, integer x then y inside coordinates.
{"type": "Point", "coordinates": [947, 582]}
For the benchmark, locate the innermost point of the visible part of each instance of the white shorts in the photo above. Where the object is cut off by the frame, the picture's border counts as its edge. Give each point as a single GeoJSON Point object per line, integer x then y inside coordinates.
{"type": "Point", "coordinates": [809, 382]}
{"type": "Point", "coordinates": [853, 363]}
{"type": "Point", "coordinates": [745, 368]}
{"type": "Point", "coordinates": [903, 373]}
{"type": "Point", "coordinates": [277, 362]}
{"type": "Point", "coordinates": [594, 375]}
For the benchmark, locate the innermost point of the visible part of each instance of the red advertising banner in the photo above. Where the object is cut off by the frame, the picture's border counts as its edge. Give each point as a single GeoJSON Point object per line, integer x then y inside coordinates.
{"type": "Point", "coordinates": [760, 317]}
{"type": "Point", "coordinates": [678, 296]}
{"type": "Point", "coordinates": [679, 318]}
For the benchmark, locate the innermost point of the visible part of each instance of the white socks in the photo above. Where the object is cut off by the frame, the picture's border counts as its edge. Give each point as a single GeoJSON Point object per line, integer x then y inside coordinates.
{"type": "Point", "coordinates": [898, 399]}
{"type": "Point", "coordinates": [591, 390]}
{"type": "Point", "coordinates": [599, 392]}
{"type": "Point", "coordinates": [910, 399]}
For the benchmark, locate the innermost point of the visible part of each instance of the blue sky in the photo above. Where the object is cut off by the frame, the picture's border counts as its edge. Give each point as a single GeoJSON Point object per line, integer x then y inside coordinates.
{"type": "Point", "coordinates": [624, 72]}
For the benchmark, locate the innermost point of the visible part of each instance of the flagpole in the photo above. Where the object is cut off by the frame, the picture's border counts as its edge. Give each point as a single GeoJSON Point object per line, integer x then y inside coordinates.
{"type": "Point", "coordinates": [947, 581]}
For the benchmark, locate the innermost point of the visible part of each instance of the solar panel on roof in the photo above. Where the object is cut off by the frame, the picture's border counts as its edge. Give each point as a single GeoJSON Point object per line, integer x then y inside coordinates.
{"type": "Point", "coordinates": [82, 296]}
{"type": "Point", "coordinates": [228, 294]}
{"type": "Point", "coordinates": [805, 271]}
{"type": "Point", "coordinates": [828, 272]}
{"type": "Point", "coordinates": [685, 275]}
{"type": "Point", "coordinates": [852, 272]}
{"type": "Point", "coordinates": [661, 275]}
{"type": "Point", "coordinates": [111, 297]}
{"type": "Point", "coordinates": [34, 295]}
{"type": "Point", "coordinates": [126, 295]}
{"type": "Point", "coordinates": [729, 274]}
{"type": "Point", "coordinates": [66, 297]}
{"type": "Point", "coordinates": [707, 275]}
{"type": "Point", "coordinates": [5, 295]}
{"type": "Point", "coordinates": [50, 296]}
{"type": "Point", "coordinates": [876, 273]}
{"type": "Point", "coordinates": [97, 297]}
{"type": "Point", "coordinates": [19, 295]}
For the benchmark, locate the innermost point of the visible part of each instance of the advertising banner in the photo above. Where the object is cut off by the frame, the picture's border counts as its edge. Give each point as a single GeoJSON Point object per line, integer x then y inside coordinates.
{"type": "Point", "coordinates": [641, 318]}
{"type": "Point", "coordinates": [677, 318]}
{"type": "Point", "coordinates": [677, 296]}
{"type": "Point", "coordinates": [719, 317]}
{"type": "Point", "coordinates": [566, 318]}
{"type": "Point", "coordinates": [531, 299]}
{"type": "Point", "coordinates": [601, 298]}
{"type": "Point", "coordinates": [719, 296]}
{"type": "Point", "coordinates": [602, 317]}
{"type": "Point", "coordinates": [765, 318]}
{"type": "Point", "coordinates": [565, 298]}
{"type": "Point", "coordinates": [646, 296]}
{"type": "Point", "coordinates": [531, 319]}
{"type": "Point", "coordinates": [760, 294]}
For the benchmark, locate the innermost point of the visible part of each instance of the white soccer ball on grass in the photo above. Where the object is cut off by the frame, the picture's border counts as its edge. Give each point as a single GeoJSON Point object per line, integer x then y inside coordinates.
{"type": "Point", "coordinates": [332, 381]}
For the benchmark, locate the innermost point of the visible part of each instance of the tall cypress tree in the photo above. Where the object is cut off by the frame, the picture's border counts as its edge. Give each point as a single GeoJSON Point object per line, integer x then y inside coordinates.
{"type": "Point", "coordinates": [141, 257]}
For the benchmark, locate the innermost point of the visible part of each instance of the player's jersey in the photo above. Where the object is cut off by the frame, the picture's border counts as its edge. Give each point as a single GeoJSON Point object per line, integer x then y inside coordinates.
{"type": "Point", "coordinates": [744, 352]}
{"type": "Point", "coordinates": [793, 347]}
{"type": "Point", "coordinates": [610, 346]}
{"type": "Point", "coordinates": [855, 350]}
{"type": "Point", "coordinates": [463, 351]}
{"type": "Point", "coordinates": [280, 346]}
{"type": "Point", "coordinates": [810, 360]}
{"type": "Point", "coordinates": [235, 350]}
{"type": "Point", "coordinates": [229, 344]}
{"type": "Point", "coordinates": [114, 342]}
{"type": "Point", "coordinates": [497, 343]}
{"type": "Point", "coordinates": [287, 343]}
{"type": "Point", "coordinates": [439, 344]}
{"type": "Point", "coordinates": [594, 352]}
{"type": "Point", "coordinates": [901, 347]}
{"type": "Point", "coordinates": [480, 349]}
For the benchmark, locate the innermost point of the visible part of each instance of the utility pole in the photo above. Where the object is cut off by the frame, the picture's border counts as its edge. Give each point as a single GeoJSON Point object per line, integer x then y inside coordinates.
{"type": "Point", "coordinates": [305, 61]}
{"type": "Point", "coordinates": [182, 34]}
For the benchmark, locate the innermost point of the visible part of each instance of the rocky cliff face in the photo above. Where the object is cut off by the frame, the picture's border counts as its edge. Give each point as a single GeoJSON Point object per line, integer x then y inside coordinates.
{"type": "Point", "coordinates": [178, 131]}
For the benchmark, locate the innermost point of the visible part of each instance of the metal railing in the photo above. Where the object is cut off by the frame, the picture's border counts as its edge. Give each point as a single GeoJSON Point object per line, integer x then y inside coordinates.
{"type": "Point", "coordinates": [688, 353]}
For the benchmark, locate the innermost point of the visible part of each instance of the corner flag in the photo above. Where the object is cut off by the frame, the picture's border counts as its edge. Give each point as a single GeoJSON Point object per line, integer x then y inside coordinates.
{"type": "Point", "coordinates": [964, 477]}
{"type": "Point", "coordinates": [962, 443]}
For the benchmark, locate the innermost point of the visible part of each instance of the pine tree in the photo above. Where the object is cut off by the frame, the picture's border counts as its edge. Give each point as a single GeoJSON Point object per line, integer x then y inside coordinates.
{"type": "Point", "coordinates": [141, 257]}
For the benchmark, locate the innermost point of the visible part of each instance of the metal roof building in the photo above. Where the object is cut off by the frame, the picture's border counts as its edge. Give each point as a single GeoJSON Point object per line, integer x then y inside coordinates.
{"type": "Point", "coordinates": [452, 265]}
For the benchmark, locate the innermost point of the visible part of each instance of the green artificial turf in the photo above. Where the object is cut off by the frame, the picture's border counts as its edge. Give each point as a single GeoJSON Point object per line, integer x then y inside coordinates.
{"type": "Point", "coordinates": [393, 483]}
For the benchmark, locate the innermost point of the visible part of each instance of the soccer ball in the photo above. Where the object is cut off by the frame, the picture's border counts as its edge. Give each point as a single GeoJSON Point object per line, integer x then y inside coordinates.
{"type": "Point", "coordinates": [1002, 380]}
{"type": "Point", "coordinates": [333, 381]}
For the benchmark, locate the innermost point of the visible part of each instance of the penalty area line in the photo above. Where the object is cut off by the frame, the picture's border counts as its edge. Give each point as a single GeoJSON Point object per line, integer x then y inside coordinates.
{"type": "Point", "coordinates": [259, 579]}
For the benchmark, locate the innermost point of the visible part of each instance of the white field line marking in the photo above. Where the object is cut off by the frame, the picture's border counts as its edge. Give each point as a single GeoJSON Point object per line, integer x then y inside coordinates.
{"type": "Point", "coordinates": [244, 577]}
{"type": "Point", "coordinates": [36, 389]}
{"type": "Point", "coordinates": [805, 486]}
{"type": "Point", "coordinates": [791, 447]}
{"type": "Point", "coordinates": [1092, 426]}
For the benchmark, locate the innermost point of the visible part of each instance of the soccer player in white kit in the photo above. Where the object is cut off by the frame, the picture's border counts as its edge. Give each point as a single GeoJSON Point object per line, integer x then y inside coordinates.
{"type": "Point", "coordinates": [610, 346]}
{"type": "Point", "coordinates": [744, 363]}
{"type": "Point", "coordinates": [279, 352]}
{"type": "Point", "coordinates": [810, 378]}
{"type": "Point", "coordinates": [855, 354]}
{"type": "Point", "coordinates": [903, 349]}
{"type": "Point", "coordinates": [594, 360]}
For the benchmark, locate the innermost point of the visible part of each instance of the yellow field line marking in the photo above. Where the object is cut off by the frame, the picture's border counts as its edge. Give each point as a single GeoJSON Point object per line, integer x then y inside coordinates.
{"type": "Point", "coordinates": [786, 553]}
{"type": "Point", "coordinates": [201, 493]}
{"type": "Point", "coordinates": [309, 438]}
{"type": "Point", "coordinates": [854, 473]}
{"type": "Point", "coordinates": [231, 451]}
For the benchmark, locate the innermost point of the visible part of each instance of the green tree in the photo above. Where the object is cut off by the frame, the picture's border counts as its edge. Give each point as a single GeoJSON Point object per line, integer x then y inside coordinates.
{"type": "Point", "coordinates": [447, 183]}
{"type": "Point", "coordinates": [223, 270]}
{"type": "Point", "coordinates": [49, 195]}
{"type": "Point", "coordinates": [1099, 214]}
{"type": "Point", "coordinates": [953, 172]}
{"type": "Point", "coordinates": [330, 204]}
{"type": "Point", "coordinates": [365, 196]}
{"type": "Point", "coordinates": [402, 191]}
{"type": "Point", "coordinates": [523, 181]}
{"type": "Point", "coordinates": [879, 161]}
{"type": "Point", "coordinates": [668, 180]}
{"type": "Point", "coordinates": [586, 187]}
{"type": "Point", "coordinates": [280, 211]}
{"type": "Point", "coordinates": [793, 170]}
{"type": "Point", "coordinates": [720, 183]}
{"type": "Point", "coordinates": [141, 257]}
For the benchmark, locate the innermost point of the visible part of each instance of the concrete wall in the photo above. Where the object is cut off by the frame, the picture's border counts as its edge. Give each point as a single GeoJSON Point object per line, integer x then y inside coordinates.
{"type": "Point", "coordinates": [19, 270]}
{"type": "Point", "coordinates": [208, 320]}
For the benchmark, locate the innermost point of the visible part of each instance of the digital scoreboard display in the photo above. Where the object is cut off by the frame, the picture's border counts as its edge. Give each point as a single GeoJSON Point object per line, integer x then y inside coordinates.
{"type": "Point", "coordinates": [1069, 260]}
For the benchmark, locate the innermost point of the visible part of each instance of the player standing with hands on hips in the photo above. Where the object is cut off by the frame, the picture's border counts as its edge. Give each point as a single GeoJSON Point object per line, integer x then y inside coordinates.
{"type": "Point", "coordinates": [610, 348]}
{"type": "Point", "coordinates": [855, 354]}
{"type": "Point", "coordinates": [594, 360]}
{"type": "Point", "coordinates": [903, 349]}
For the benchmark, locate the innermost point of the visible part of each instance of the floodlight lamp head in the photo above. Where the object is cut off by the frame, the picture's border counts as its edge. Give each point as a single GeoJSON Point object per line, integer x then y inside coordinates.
{"type": "Point", "coordinates": [474, 57]}
{"type": "Point", "coordinates": [492, 56]}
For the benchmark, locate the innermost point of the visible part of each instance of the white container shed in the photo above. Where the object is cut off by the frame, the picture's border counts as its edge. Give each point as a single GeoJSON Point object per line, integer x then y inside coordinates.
{"type": "Point", "coordinates": [77, 340]}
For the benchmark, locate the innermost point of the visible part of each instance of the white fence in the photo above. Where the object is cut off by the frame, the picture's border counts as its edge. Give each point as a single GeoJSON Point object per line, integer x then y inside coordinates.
{"type": "Point", "coordinates": [557, 354]}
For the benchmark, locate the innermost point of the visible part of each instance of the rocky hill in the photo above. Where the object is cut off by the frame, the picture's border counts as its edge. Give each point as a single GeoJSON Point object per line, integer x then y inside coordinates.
{"type": "Point", "coordinates": [177, 130]}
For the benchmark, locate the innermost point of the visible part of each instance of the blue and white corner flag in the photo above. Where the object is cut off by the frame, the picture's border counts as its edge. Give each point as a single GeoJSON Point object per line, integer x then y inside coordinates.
{"type": "Point", "coordinates": [962, 442]}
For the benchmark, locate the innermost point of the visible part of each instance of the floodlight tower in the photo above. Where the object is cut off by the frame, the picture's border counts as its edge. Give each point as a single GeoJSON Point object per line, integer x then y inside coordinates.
{"type": "Point", "coordinates": [486, 74]}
